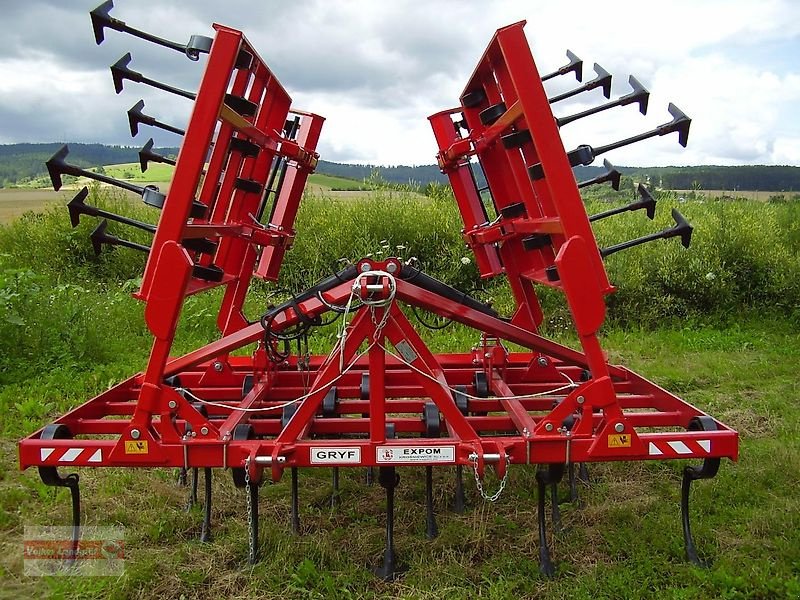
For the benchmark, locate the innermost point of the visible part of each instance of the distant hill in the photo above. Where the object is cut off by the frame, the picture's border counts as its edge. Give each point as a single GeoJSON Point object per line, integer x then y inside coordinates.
{"type": "Point", "coordinates": [22, 162]}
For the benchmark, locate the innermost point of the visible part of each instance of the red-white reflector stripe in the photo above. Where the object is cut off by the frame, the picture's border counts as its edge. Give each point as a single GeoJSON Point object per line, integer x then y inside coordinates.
{"type": "Point", "coordinates": [69, 455]}
{"type": "Point", "coordinates": [678, 448]}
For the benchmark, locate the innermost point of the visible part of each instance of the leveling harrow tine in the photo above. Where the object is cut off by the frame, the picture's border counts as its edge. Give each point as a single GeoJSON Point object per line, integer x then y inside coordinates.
{"type": "Point", "coordinates": [575, 65]}
{"type": "Point", "coordinates": [147, 155]}
{"type": "Point", "coordinates": [681, 229]}
{"type": "Point", "coordinates": [77, 207]}
{"type": "Point", "coordinates": [150, 194]}
{"type": "Point", "coordinates": [101, 19]}
{"type": "Point", "coordinates": [647, 203]}
{"type": "Point", "coordinates": [120, 71]}
{"type": "Point", "coordinates": [639, 95]}
{"type": "Point", "coordinates": [611, 174]}
{"type": "Point", "coordinates": [602, 80]}
{"type": "Point", "coordinates": [136, 117]}
{"type": "Point", "coordinates": [585, 154]}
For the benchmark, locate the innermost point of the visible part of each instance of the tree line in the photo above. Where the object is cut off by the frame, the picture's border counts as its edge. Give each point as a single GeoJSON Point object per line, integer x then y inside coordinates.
{"type": "Point", "coordinates": [22, 162]}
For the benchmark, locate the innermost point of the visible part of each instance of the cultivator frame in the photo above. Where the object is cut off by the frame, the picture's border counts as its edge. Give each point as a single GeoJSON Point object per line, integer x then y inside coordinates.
{"type": "Point", "coordinates": [380, 398]}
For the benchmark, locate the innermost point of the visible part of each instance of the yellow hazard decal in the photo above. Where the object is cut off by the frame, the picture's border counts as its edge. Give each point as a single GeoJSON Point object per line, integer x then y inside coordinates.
{"type": "Point", "coordinates": [136, 447]}
{"type": "Point", "coordinates": [619, 440]}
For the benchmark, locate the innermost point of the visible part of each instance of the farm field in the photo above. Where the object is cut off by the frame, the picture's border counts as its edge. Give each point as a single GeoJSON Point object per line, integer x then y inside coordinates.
{"type": "Point", "coordinates": [717, 324]}
{"type": "Point", "coordinates": [39, 194]}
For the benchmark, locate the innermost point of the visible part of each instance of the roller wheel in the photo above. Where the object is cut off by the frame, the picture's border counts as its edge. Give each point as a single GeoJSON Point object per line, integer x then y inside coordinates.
{"type": "Point", "coordinates": [473, 99]}
{"type": "Point", "coordinates": [329, 402]}
{"type": "Point", "coordinates": [364, 386]}
{"type": "Point", "coordinates": [461, 399]}
{"type": "Point", "coordinates": [243, 431]}
{"type": "Point", "coordinates": [516, 139]}
{"type": "Point", "coordinates": [491, 114]}
{"type": "Point", "coordinates": [247, 385]}
{"type": "Point", "coordinates": [481, 384]}
{"type": "Point", "coordinates": [432, 420]}
{"type": "Point", "coordinates": [288, 413]}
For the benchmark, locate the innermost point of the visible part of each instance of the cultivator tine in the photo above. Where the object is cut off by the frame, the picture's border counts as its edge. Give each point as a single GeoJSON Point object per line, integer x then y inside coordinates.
{"type": "Point", "coordinates": [707, 470]}
{"type": "Point", "coordinates": [295, 504]}
{"type": "Point", "coordinates": [99, 237]}
{"type": "Point", "coordinates": [389, 569]}
{"type": "Point", "coordinates": [575, 65]}
{"type": "Point", "coordinates": [205, 530]}
{"type": "Point", "coordinates": [120, 71]}
{"type": "Point", "coordinates": [147, 155]}
{"type": "Point", "coordinates": [639, 95]}
{"type": "Point", "coordinates": [681, 229]}
{"type": "Point", "coordinates": [193, 489]}
{"type": "Point", "coordinates": [136, 117]}
{"type": "Point", "coordinates": [555, 510]}
{"type": "Point", "coordinates": [611, 175]}
{"type": "Point", "coordinates": [431, 529]}
{"type": "Point", "coordinates": [252, 520]}
{"type": "Point", "coordinates": [585, 154]}
{"type": "Point", "coordinates": [603, 80]}
{"type": "Point", "coordinates": [335, 485]}
{"type": "Point", "coordinates": [647, 203]}
{"type": "Point", "coordinates": [544, 477]}
{"type": "Point", "coordinates": [51, 477]}
{"type": "Point", "coordinates": [459, 500]}
{"type": "Point", "coordinates": [101, 19]}
{"type": "Point", "coordinates": [78, 207]}
{"type": "Point", "coordinates": [182, 477]}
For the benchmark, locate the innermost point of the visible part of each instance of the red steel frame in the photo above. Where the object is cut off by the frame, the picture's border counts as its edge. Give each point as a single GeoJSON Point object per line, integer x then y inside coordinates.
{"type": "Point", "coordinates": [144, 421]}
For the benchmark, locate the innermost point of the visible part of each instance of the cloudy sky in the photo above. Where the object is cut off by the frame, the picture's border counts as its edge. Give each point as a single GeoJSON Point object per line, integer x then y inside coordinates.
{"type": "Point", "coordinates": [376, 70]}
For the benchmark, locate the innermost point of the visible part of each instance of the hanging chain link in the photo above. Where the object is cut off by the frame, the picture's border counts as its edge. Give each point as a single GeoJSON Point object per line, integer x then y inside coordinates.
{"type": "Point", "coordinates": [479, 484]}
{"type": "Point", "coordinates": [250, 541]}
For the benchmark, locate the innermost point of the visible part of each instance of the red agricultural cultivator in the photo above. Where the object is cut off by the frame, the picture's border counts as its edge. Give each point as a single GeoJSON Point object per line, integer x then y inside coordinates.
{"type": "Point", "coordinates": [379, 398]}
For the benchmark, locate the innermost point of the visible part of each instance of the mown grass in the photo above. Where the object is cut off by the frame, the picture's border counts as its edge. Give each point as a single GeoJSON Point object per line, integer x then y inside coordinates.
{"type": "Point", "coordinates": [727, 343]}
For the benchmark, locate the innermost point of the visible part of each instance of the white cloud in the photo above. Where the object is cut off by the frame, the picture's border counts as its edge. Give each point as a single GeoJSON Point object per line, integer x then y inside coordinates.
{"type": "Point", "coordinates": [376, 70]}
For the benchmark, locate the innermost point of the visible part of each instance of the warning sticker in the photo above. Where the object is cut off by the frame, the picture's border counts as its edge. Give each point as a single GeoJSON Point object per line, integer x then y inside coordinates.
{"type": "Point", "coordinates": [136, 447]}
{"type": "Point", "coordinates": [415, 454]}
{"type": "Point", "coordinates": [323, 456]}
{"type": "Point", "coordinates": [619, 440]}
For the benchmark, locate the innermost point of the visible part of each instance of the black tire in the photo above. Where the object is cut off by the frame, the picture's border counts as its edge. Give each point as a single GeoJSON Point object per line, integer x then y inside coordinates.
{"type": "Point", "coordinates": [243, 431]}
{"type": "Point", "coordinates": [491, 114]}
{"type": "Point", "coordinates": [329, 402]}
{"type": "Point", "coordinates": [473, 99]}
{"type": "Point", "coordinates": [516, 139]}
{"type": "Point", "coordinates": [461, 399]}
{"type": "Point", "coordinates": [432, 420]}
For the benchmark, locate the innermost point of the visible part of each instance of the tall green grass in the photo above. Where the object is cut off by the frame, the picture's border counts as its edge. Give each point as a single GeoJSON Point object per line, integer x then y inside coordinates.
{"type": "Point", "coordinates": [60, 304]}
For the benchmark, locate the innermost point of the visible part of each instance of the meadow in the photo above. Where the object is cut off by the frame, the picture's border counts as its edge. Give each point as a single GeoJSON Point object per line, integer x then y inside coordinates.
{"type": "Point", "coordinates": [717, 324]}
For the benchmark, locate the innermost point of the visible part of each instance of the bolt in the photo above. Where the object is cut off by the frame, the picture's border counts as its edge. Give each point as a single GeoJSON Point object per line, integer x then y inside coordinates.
{"type": "Point", "coordinates": [548, 427]}
{"type": "Point", "coordinates": [542, 361]}
{"type": "Point", "coordinates": [204, 430]}
{"type": "Point", "coordinates": [391, 267]}
{"type": "Point", "coordinates": [526, 432]}
{"type": "Point", "coordinates": [580, 399]}
{"type": "Point", "coordinates": [487, 355]}
{"type": "Point", "coordinates": [218, 367]}
{"type": "Point", "coordinates": [619, 427]}
{"type": "Point", "coordinates": [194, 434]}
{"type": "Point", "coordinates": [135, 434]}
{"type": "Point", "coordinates": [365, 267]}
{"type": "Point", "coordinates": [172, 404]}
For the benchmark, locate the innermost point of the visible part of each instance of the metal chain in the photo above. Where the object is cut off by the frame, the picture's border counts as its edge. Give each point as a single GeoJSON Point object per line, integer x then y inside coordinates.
{"type": "Point", "coordinates": [479, 484]}
{"type": "Point", "coordinates": [250, 540]}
